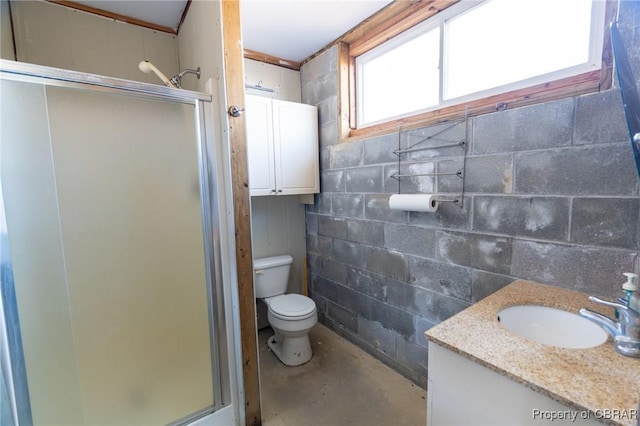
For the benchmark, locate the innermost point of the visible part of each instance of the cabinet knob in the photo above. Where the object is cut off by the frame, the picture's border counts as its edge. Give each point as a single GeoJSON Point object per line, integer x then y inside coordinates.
{"type": "Point", "coordinates": [280, 190]}
{"type": "Point", "coordinates": [273, 190]}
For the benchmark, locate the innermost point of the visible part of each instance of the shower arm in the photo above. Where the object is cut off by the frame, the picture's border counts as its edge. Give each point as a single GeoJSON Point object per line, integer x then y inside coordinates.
{"type": "Point", "coordinates": [175, 80]}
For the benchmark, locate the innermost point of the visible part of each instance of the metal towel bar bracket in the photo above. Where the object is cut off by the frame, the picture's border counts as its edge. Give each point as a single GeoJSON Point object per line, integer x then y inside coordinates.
{"type": "Point", "coordinates": [461, 144]}
{"type": "Point", "coordinates": [459, 173]}
{"type": "Point", "coordinates": [457, 200]}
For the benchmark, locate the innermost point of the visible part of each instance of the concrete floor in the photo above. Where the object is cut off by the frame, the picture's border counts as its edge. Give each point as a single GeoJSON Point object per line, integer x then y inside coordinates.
{"type": "Point", "coordinates": [341, 385]}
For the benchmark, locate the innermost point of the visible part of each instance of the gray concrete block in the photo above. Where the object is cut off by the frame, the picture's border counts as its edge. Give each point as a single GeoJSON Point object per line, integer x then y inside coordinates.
{"type": "Point", "coordinates": [537, 217]}
{"type": "Point", "coordinates": [484, 252]}
{"type": "Point", "coordinates": [341, 317]}
{"type": "Point", "coordinates": [486, 283]}
{"type": "Point", "coordinates": [605, 221]}
{"type": "Point", "coordinates": [320, 245]}
{"type": "Point", "coordinates": [327, 86]}
{"type": "Point", "coordinates": [317, 67]}
{"type": "Point", "coordinates": [321, 307]}
{"type": "Point", "coordinates": [412, 183]}
{"type": "Point", "coordinates": [321, 286]}
{"type": "Point", "coordinates": [411, 355]}
{"type": "Point", "coordinates": [377, 208]}
{"type": "Point", "coordinates": [392, 318]}
{"type": "Point", "coordinates": [364, 179]}
{"type": "Point", "coordinates": [414, 300]}
{"type": "Point", "coordinates": [410, 239]}
{"type": "Point", "coordinates": [355, 302]}
{"type": "Point", "coordinates": [346, 155]}
{"type": "Point", "coordinates": [332, 226]}
{"type": "Point", "coordinates": [420, 325]}
{"type": "Point", "coordinates": [380, 149]}
{"type": "Point", "coordinates": [308, 93]}
{"type": "Point", "coordinates": [600, 118]}
{"type": "Point", "coordinates": [349, 205]}
{"type": "Point", "coordinates": [448, 215]}
{"type": "Point", "coordinates": [442, 278]}
{"type": "Point", "coordinates": [367, 282]}
{"type": "Point", "coordinates": [587, 170]}
{"type": "Point", "coordinates": [328, 134]}
{"type": "Point", "coordinates": [332, 181]}
{"type": "Point", "coordinates": [327, 110]}
{"type": "Point", "coordinates": [310, 221]}
{"type": "Point", "coordinates": [322, 203]}
{"type": "Point", "coordinates": [591, 270]}
{"type": "Point", "coordinates": [331, 269]}
{"type": "Point", "coordinates": [490, 174]}
{"type": "Point", "coordinates": [388, 263]}
{"type": "Point", "coordinates": [365, 231]}
{"type": "Point", "coordinates": [450, 183]}
{"type": "Point", "coordinates": [377, 336]}
{"type": "Point", "coordinates": [446, 133]}
{"type": "Point", "coordinates": [350, 253]}
{"type": "Point", "coordinates": [314, 262]}
{"type": "Point", "coordinates": [449, 306]}
{"type": "Point", "coordinates": [547, 125]}
{"type": "Point", "coordinates": [324, 159]}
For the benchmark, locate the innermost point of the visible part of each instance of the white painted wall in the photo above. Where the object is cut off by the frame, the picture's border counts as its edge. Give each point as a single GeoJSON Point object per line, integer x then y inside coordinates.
{"type": "Point", "coordinates": [277, 222]}
{"type": "Point", "coordinates": [286, 82]}
{"type": "Point", "coordinates": [57, 36]}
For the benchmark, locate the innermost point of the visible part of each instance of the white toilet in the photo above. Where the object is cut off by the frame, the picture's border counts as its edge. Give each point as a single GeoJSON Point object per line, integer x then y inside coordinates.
{"type": "Point", "coordinates": [290, 315]}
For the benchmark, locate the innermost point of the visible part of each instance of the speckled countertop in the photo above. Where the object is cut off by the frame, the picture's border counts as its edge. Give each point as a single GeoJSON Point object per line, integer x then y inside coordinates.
{"type": "Point", "coordinates": [585, 379]}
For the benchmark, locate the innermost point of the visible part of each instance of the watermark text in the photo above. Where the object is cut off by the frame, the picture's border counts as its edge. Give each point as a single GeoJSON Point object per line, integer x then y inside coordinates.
{"type": "Point", "coordinates": [573, 415]}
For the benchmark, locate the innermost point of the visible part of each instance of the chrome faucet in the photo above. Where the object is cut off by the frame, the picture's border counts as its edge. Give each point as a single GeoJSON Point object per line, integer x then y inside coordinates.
{"type": "Point", "coordinates": [625, 333]}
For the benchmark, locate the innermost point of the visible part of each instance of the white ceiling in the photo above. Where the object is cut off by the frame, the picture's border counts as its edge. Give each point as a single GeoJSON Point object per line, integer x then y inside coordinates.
{"type": "Point", "coordinates": [296, 29]}
{"type": "Point", "coordinates": [287, 29]}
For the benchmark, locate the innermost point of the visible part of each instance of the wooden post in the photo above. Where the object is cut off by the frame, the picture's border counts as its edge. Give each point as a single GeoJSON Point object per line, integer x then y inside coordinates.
{"type": "Point", "coordinates": [234, 73]}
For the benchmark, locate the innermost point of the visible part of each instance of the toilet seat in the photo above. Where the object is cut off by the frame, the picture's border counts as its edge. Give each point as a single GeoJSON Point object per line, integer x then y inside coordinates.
{"type": "Point", "coordinates": [291, 307]}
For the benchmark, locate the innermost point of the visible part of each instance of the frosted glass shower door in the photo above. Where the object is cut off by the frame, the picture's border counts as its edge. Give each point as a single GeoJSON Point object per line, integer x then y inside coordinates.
{"type": "Point", "coordinates": [105, 223]}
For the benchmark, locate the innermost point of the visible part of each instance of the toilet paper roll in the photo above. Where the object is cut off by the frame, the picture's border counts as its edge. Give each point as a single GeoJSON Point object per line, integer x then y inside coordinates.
{"type": "Point", "coordinates": [414, 202]}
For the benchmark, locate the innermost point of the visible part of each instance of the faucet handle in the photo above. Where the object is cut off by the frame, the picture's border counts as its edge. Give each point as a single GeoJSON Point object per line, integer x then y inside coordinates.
{"type": "Point", "coordinates": [607, 303]}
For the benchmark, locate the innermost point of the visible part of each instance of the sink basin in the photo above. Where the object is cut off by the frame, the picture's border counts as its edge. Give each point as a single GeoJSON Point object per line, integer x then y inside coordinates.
{"type": "Point", "coordinates": [552, 326]}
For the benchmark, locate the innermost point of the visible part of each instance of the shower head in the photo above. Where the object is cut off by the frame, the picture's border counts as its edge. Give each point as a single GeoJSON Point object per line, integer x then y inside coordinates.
{"type": "Point", "coordinates": [147, 67]}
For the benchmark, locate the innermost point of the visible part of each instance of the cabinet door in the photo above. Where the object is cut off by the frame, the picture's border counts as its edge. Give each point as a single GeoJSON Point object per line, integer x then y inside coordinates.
{"type": "Point", "coordinates": [296, 148]}
{"type": "Point", "coordinates": [260, 146]}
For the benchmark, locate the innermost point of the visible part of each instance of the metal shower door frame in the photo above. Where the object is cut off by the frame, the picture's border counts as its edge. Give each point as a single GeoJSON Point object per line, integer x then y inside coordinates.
{"type": "Point", "coordinates": [209, 202]}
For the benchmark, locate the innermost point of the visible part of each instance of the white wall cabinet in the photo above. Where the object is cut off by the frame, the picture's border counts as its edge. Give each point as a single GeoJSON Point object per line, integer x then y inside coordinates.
{"type": "Point", "coordinates": [282, 144]}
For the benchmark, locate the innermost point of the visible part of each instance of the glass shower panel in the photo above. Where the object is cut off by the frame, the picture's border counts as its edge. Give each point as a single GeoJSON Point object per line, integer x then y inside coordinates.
{"type": "Point", "coordinates": [128, 188]}
{"type": "Point", "coordinates": [121, 199]}
{"type": "Point", "coordinates": [31, 210]}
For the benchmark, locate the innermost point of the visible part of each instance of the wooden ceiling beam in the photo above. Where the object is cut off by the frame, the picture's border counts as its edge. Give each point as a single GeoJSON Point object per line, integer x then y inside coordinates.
{"type": "Point", "coordinates": [273, 60]}
{"type": "Point", "coordinates": [116, 16]}
{"type": "Point", "coordinates": [368, 33]}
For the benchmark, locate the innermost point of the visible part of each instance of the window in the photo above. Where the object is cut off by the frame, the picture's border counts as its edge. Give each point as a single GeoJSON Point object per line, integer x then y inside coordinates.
{"type": "Point", "coordinates": [388, 88]}
{"type": "Point", "coordinates": [476, 53]}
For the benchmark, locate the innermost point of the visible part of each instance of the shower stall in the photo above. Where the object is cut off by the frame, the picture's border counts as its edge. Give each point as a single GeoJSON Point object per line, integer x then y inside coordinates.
{"type": "Point", "coordinates": [110, 231]}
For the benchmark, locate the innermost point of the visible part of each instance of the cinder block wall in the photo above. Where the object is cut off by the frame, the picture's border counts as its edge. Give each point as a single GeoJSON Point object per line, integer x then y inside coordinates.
{"type": "Point", "coordinates": [551, 195]}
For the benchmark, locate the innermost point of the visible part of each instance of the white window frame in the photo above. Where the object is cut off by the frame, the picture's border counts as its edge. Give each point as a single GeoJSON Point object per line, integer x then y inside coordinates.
{"type": "Point", "coordinates": [593, 63]}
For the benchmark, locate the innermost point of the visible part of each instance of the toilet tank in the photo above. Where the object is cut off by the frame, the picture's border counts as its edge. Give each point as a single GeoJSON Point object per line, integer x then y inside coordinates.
{"type": "Point", "coordinates": [271, 275]}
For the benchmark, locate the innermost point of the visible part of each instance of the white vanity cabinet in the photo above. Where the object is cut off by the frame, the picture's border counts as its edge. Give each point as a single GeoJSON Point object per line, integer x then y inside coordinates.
{"type": "Point", "coordinates": [282, 144]}
{"type": "Point", "coordinates": [462, 392]}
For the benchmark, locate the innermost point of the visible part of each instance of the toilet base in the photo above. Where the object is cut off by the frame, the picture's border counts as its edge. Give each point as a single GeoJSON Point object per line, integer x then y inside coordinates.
{"type": "Point", "coordinates": [291, 351]}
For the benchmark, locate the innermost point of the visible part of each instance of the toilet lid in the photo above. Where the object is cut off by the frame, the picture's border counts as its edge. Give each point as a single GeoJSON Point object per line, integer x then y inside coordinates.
{"type": "Point", "coordinates": [291, 305]}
